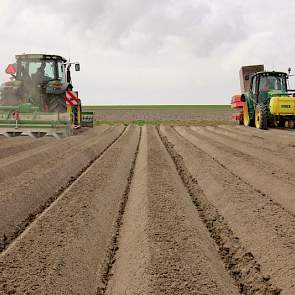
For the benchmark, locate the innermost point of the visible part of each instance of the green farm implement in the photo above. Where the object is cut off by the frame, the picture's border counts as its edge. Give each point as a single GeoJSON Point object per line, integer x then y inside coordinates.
{"type": "Point", "coordinates": [26, 119]}
{"type": "Point", "coordinates": [39, 99]}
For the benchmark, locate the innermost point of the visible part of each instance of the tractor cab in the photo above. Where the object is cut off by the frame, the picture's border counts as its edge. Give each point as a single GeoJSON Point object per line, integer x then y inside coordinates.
{"type": "Point", "coordinates": [264, 85]}
{"type": "Point", "coordinates": [38, 79]}
{"type": "Point", "coordinates": [40, 68]}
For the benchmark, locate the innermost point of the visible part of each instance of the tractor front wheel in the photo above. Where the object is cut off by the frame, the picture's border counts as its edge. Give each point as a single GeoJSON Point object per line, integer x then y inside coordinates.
{"type": "Point", "coordinates": [261, 116]}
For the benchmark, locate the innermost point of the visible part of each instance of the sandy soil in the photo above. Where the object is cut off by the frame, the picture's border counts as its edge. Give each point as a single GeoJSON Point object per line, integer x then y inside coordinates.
{"type": "Point", "coordinates": [63, 251]}
{"type": "Point", "coordinates": [31, 181]}
{"type": "Point", "coordinates": [10, 146]}
{"type": "Point", "coordinates": [264, 227]}
{"type": "Point", "coordinates": [264, 176]}
{"type": "Point", "coordinates": [174, 210]}
{"type": "Point", "coordinates": [163, 262]}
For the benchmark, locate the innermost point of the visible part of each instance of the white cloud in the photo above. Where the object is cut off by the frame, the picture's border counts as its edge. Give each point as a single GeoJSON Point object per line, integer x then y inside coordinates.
{"type": "Point", "coordinates": [138, 51]}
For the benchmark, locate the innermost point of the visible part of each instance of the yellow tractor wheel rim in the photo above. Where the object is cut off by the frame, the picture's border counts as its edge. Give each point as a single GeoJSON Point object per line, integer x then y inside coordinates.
{"type": "Point", "coordinates": [257, 117]}
{"type": "Point", "coordinates": [246, 115]}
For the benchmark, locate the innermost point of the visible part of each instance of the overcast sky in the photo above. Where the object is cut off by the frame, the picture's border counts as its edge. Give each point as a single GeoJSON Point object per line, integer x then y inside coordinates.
{"type": "Point", "coordinates": [152, 51]}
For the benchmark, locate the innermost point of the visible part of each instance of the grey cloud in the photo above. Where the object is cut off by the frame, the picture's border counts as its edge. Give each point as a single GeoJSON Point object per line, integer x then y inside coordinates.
{"type": "Point", "coordinates": [163, 51]}
{"type": "Point", "coordinates": [203, 26]}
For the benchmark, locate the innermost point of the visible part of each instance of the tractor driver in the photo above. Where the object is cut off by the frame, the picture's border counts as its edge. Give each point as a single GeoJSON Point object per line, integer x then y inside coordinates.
{"type": "Point", "coordinates": [39, 76]}
{"type": "Point", "coordinates": [265, 85]}
{"type": "Point", "coordinates": [24, 72]}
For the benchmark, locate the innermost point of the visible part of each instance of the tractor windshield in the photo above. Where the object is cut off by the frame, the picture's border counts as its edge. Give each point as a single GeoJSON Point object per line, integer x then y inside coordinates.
{"type": "Point", "coordinates": [61, 72]}
{"type": "Point", "coordinates": [39, 70]}
{"type": "Point", "coordinates": [275, 82]}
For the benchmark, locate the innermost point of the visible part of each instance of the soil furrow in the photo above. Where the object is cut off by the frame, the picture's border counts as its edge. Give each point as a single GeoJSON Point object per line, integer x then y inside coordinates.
{"type": "Point", "coordinates": [241, 263]}
{"type": "Point", "coordinates": [128, 273]}
{"type": "Point", "coordinates": [149, 210]}
{"type": "Point", "coordinates": [284, 150]}
{"type": "Point", "coordinates": [65, 249]}
{"type": "Point", "coordinates": [26, 196]}
{"type": "Point", "coordinates": [44, 155]}
{"type": "Point", "coordinates": [277, 159]}
{"type": "Point", "coordinates": [269, 180]}
{"type": "Point", "coordinates": [164, 248]}
{"type": "Point", "coordinates": [21, 144]}
{"type": "Point", "coordinates": [11, 147]}
{"type": "Point", "coordinates": [262, 226]}
{"type": "Point", "coordinates": [278, 136]}
{"type": "Point", "coordinates": [114, 240]}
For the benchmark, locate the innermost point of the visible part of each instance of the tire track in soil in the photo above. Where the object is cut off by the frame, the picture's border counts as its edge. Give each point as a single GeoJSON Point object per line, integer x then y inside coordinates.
{"type": "Point", "coordinates": [265, 228]}
{"type": "Point", "coordinates": [265, 178]}
{"type": "Point", "coordinates": [164, 248]}
{"type": "Point", "coordinates": [10, 232]}
{"type": "Point", "coordinates": [66, 249]}
{"type": "Point", "coordinates": [113, 248]}
{"type": "Point", "coordinates": [241, 264]}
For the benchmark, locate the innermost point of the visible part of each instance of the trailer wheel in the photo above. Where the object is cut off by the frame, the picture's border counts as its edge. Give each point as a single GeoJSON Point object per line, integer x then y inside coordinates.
{"type": "Point", "coordinates": [261, 116]}
{"type": "Point", "coordinates": [57, 103]}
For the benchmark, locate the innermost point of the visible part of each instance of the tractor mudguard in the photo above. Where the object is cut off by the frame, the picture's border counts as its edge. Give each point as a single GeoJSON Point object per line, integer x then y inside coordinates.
{"type": "Point", "coordinates": [55, 87]}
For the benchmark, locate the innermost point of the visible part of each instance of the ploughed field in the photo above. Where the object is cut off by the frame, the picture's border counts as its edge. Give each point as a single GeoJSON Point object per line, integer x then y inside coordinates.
{"type": "Point", "coordinates": [163, 114]}
{"type": "Point", "coordinates": [149, 210]}
{"type": "Point", "coordinates": [168, 114]}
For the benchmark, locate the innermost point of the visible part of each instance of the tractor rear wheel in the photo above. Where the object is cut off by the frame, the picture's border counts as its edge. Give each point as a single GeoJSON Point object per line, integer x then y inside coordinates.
{"type": "Point", "coordinates": [57, 103]}
{"type": "Point", "coordinates": [261, 116]}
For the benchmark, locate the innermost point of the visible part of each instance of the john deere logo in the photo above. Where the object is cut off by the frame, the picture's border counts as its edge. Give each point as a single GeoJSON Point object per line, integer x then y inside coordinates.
{"type": "Point", "coordinates": [286, 106]}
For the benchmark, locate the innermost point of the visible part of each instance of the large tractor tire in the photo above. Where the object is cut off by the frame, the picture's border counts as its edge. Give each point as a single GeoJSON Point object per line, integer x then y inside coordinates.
{"type": "Point", "coordinates": [246, 117]}
{"type": "Point", "coordinates": [282, 123]}
{"type": "Point", "coordinates": [261, 116]}
{"type": "Point", "coordinates": [57, 103]}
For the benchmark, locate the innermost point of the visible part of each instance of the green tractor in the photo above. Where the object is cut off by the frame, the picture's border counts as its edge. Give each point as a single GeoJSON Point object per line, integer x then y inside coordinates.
{"type": "Point", "coordinates": [265, 100]}
{"type": "Point", "coordinates": [34, 100]}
